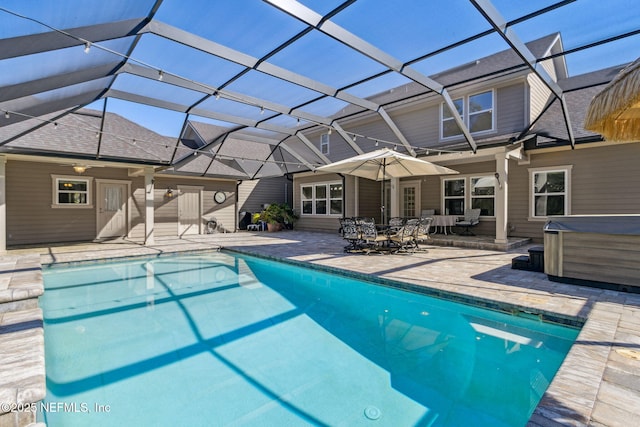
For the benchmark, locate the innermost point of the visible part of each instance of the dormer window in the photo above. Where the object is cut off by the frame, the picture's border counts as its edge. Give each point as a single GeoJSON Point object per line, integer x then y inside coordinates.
{"type": "Point", "coordinates": [476, 112]}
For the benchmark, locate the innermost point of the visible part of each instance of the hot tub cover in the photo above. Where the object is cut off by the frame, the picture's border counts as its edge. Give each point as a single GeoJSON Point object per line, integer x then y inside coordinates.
{"type": "Point", "coordinates": [604, 224]}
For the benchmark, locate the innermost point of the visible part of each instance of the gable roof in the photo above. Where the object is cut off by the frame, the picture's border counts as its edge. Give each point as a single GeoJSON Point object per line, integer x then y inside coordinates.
{"type": "Point", "coordinates": [579, 91]}
{"type": "Point", "coordinates": [78, 134]}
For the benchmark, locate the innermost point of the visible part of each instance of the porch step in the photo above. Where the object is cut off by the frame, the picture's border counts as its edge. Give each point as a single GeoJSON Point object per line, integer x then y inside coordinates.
{"type": "Point", "coordinates": [533, 262]}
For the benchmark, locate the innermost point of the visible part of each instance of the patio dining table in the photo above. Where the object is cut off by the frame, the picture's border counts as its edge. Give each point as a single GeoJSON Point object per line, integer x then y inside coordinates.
{"type": "Point", "coordinates": [444, 221]}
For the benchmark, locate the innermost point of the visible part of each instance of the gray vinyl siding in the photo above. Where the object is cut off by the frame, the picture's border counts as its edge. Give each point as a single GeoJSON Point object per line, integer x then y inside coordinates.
{"type": "Point", "coordinates": [225, 214]}
{"type": "Point", "coordinates": [369, 198]}
{"type": "Point", "coordinates": [604, 180]}
{"type": "Point", "coordinates": [166, 209]}
{"type": "Point", "coordinates": [510, 109]}
{"type": "Point", "coordinates": [370, 127]}
{"type": "Point", "coordinates": [419, 124]}
{"type": "Point", "coordinates": [338, 147]}
{"type": "Point", "coordinates": [349, 196]}
{"type": "Point", "coordinates": [539, 92]}
{"type": "Point", "coordinates": [31, 219]}
{"type": "Point", "coordinates": [539, 96]}
{"type": "Point", "coordinates": [253, 194]}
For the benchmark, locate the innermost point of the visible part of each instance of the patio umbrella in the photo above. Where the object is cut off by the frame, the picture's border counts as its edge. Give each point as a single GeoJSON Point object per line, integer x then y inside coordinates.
{"type": "Point", "coordinates": [615, 111]}
{"type": "Point", "coordinates": [383, 164]}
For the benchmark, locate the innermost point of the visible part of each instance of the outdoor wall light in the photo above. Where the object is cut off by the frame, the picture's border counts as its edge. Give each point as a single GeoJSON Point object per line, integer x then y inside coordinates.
{"type": "Point", "coordinates": [497, 175]}
{"type": "Point", "coordinates": [169, 193]}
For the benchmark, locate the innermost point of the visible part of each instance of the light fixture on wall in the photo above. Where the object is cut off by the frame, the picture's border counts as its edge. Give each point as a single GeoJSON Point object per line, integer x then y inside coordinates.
{"type": "Point", "coordinates": [169, 193]}
{"type": "Point", "coordinates": [497, 175]}
{"type": "Point", "coordinates": [80, 169]}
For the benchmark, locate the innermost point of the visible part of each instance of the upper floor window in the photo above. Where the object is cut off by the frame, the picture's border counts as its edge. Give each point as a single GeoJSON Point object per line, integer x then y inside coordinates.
{"type": "Point", "coordinates": [71, 191]}
{"type": "Point", "coordinates": [324, 143]}
{"type": "Point", "coordinates": [550, 190]}
{"type": "Point", "coordinates": [321, 199]}
{"type": "Point", "coordinates": [449, 126]}
{"type": "Point", "coordinates": [476, 112]}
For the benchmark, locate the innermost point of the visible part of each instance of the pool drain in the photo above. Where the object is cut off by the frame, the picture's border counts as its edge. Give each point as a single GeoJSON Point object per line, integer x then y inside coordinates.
{"type": "Point", "coordinates": [372, 412]}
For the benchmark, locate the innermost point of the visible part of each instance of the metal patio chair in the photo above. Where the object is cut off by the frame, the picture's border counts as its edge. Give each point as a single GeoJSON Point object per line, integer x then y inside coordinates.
{"type": "Point", "coordinates": [423, 232]}
{"type": "Point", "coordinates": [351, 233]}
{"type": "Point", "coordinates": [471, 219]}
{"type": "Point", "coordinates": [404, 240]}
{"type": "Point", "coordinates": [373, 241]}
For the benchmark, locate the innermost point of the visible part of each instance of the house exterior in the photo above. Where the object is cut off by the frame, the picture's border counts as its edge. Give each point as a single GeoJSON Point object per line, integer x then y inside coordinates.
{"type": "Point", "coordinates": [526, 166]}
{"type": "Point", "coordinates": [524, 170]}
{"type": "Point", "coordinates": [50, 194]}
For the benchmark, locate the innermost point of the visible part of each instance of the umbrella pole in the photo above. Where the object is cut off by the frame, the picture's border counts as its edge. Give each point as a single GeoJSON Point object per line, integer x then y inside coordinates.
{"type": "Point", "coordinates": [382, 202]}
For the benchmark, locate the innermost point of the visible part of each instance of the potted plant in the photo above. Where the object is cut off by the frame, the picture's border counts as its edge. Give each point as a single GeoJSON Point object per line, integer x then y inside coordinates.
{"type": "Point", "coordinates": [278, 215]}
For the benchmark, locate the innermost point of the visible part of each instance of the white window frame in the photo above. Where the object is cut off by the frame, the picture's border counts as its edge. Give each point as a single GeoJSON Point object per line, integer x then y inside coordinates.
{"type": "Point", "coordinates": [325, 140]}
{"type": "Point", "coordinates": [444, 119]}
{"type": "Point", "coordinates": [445, 197]}
{"type": "Point", "coordinates": [467, 196]}
{"type": "Point", "coordinates": [567, 169]}
{"type": "Point", "coordinates": [328, 198]}
{"type": "Point", "coordinates": [492, 177]}
{"type": "Point", "coordinates": [55, 179]}
{"type": "Point", "coordinates": [466, 114]}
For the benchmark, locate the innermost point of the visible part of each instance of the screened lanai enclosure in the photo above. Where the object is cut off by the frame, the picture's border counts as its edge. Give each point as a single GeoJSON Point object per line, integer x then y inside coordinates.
{"type": "Point", "coordinates": [244, 89]}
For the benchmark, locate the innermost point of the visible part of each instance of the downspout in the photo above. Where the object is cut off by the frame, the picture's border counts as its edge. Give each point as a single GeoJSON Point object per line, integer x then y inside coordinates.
{"type": "Point", "coordinates": [236, 207]}
{"type": "Point", "coordinates": [344, 195]}
{"type": "Point", "coordinates": [288, 177]}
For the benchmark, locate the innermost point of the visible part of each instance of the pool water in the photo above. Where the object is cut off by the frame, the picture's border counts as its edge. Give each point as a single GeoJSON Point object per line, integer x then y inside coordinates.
{"type": "Point", "coordinates": [223, 339]}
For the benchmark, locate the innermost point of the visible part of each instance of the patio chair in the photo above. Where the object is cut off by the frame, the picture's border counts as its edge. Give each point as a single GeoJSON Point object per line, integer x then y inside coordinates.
{"type": "Point", "coordinates": [351, 233]}
{"type": "Point", "coordinates": [405, 238]}
{"type": "Point", "coordinates": [471, 219]}
{"type": "Point", "coordinates": [395, 224]}
{"type": "Point", "coordinates": [422, 233]}
{"type": "Point", "coordinates": [371, 239]}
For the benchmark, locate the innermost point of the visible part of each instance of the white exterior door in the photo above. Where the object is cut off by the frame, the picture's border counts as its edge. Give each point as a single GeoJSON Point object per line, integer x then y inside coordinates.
{"type": "Point", "coordinates": [112, 209]}
{"type": "Point", "coordinates": [189, 210]}
{"type": "Point", "coordinates": [410, 199]}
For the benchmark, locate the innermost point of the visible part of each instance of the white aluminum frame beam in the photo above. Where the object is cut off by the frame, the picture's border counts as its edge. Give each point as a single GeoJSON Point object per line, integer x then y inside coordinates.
{"type": "Point", "coordinates": [209, 114]}
{"type": "Point", "coordinates": [59, 81]}
{"type": "Point", "coordinates": [43, 42]}
{"type": "Point", "coordinates": [188, 39]}
{"type": "Point", "coordinates": [352, 41]}
{"type": "Point", "coordinates": [493, 16]}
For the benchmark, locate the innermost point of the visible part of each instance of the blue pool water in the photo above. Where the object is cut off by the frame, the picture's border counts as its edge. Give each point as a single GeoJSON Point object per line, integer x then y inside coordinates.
{"type": "Point", "coordinates": [220, 339]}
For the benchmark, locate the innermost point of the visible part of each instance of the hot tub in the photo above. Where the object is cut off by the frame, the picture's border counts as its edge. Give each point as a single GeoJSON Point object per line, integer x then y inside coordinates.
{"type": "Point", "coordinates": [597, 250]}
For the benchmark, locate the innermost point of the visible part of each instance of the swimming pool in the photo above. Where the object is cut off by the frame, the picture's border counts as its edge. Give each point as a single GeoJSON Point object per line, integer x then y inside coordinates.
{"type": "Point", "coordinates": [226, 339]}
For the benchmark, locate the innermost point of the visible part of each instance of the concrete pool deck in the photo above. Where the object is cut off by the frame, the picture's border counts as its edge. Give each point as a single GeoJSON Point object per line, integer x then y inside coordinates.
{"type": "Point", "coordinates": [598, 384]}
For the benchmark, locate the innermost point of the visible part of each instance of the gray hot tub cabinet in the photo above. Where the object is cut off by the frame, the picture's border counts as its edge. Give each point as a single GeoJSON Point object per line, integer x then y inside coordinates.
{"type": "Point", "coordinates": [596, 250]}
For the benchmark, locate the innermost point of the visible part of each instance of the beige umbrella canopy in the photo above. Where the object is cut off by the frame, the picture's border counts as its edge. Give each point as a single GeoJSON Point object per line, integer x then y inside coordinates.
{"type": "Point", "coordinates": [615, 111]}
{"type": "Point", "coordinates": [383, 164]}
